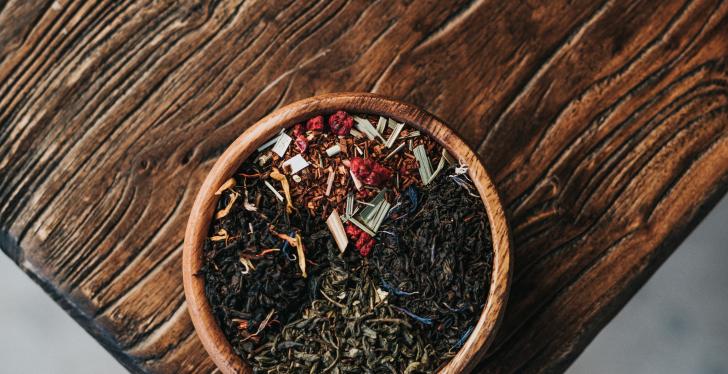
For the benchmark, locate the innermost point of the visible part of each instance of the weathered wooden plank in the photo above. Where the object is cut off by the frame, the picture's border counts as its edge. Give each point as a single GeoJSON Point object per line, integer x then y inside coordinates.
{"type": "Point", "coordinates": [604, 123]}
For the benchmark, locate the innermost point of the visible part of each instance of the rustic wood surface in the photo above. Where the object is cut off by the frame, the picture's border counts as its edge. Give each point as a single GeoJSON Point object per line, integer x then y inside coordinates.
{"type": "Point", "coordinates": [604, 125]}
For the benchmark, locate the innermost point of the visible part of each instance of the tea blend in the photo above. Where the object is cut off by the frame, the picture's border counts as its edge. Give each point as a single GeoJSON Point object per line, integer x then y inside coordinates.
{"type": "Point", "coordinates": [340, 246]}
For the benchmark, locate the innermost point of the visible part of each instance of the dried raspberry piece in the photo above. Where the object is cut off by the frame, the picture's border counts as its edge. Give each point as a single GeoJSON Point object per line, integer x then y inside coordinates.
{"type": "Point", "coordinates": [301, 143]}
{"type": "Point", "coordinates": [315, 124]}
{"type": "Point", "coordinates": [353, 231]}
{"type": "Point", "coordinates": [363, 242]}
{"type": "Point", "coordinates": [365, 193]}
{"type": "Point", "coordinates": [370, 172]}
{"type": "Point", "coordinates": [298, 130]}
{"type": "Point", "coordinates": [341, 123]}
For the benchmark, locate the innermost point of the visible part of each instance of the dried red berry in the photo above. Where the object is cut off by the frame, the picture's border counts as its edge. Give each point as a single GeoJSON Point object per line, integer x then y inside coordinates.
{"type": "Point", "coordinates": [298, 129]}
{"type": "Point", "coordinates": [301, 143]}
{"type": "Point", "coordinates": [370, 172]}
{"type": "Point", "coordinates": [365, 194]}
{"type": "Point", "coordinates": [363, 242]}
{"type": "Point", "coordinates": [341, 123]}
{"type": "Point", "coordinates": [352, 230]}
{"type": "Point", "coordinates": [315, 124]}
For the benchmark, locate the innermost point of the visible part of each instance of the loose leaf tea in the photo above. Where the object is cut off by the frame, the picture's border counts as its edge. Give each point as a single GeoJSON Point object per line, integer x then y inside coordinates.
{"type": "Point", "coordinates": [396, 283]}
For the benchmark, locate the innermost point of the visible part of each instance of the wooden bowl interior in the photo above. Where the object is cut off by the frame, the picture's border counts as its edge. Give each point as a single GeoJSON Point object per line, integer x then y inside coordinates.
{"type": "Point", "coordinates": [199, 308]}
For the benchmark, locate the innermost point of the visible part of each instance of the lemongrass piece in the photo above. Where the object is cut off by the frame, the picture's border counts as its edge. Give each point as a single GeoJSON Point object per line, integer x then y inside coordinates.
{"type": "Point", "coordinates": [425, 167]}
{"type": "Point", "coordinates": [282, 144]}
{"type": "Point", "coordinates": [394, 135]}
{"type": "Point", "coordinates": [349, 205]}
{"type": "Point", "coordinates": [412, 134]}
{"type": "Point", "coordinates": [333, 150]}
{"type": "Point", "coordinates": [448, 157]}
{"type": "Point", "coordinates": [361, 226]}
{"type": "Point", "coordinates": [440, 167]}
{"type": "Point", "coordinates": [271, 142]}
{"type": "Point", "coordinates": [275, 192]}
{"type": "Point", "coordinates": [296, 163]}
{"type": "Point", "coordinates": [381, 216]}
{"type": "Point", "coordinates": [395, 151]}
{"type": "Point", "coordinates": [363, 125]}
{"type": "Point", "coordinates": [382, 124]}
{"type": "Point", "coordinates": [330, 181]}
{"type": "Point", "coordinates": [337, 230]}
{"type": "Point", "coordinates": [357, 182]}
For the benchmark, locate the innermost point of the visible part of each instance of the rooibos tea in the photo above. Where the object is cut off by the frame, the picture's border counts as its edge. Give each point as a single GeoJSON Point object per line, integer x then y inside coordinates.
{"type": "Point", "coordinates": [341, 246]}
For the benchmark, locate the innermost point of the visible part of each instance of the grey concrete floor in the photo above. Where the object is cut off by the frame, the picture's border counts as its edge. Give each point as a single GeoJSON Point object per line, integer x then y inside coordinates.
{"type": "Point", "coordinates": [675, 324]}
{"type": "Point", "coordinates": [678, 322]}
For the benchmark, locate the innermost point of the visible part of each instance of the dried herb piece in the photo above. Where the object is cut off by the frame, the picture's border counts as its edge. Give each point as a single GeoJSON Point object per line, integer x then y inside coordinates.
{"type": "Point", "coordinates": [230, 183]}
{"type": "Point", "coordinates": [337, 230]}
{"type": "Point", "coordinates": [281, 145]}
{"type": "Point", "coordinates": [275, 174]}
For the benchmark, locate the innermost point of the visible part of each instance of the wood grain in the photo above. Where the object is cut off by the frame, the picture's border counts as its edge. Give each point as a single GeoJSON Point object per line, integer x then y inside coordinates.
{"type": "Point", "coordinates": [604, 125]}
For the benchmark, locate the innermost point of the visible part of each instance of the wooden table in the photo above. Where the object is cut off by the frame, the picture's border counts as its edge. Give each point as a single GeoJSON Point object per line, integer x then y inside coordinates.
{"type": "Point", "coordinates": [604, 124]}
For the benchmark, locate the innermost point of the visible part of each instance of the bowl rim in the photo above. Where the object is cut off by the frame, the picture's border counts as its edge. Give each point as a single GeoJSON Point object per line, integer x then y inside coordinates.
{"type": "Point", "coordinates": [206, 327]}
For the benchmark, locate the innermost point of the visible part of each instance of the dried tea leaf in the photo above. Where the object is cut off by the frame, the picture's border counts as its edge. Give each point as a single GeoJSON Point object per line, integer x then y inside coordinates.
{"type": "Point", "coordinates": [337, 230]}
{"type": "Point", "coordinates": [275, 174]}
{"type": "Point", "coordinates": [247, 264]}
{"type": "Point", "coordinates": [247, 205]}
{"type": "Point", "coordinates": [381, 295]}
{"type": "Point", "coordinates": [221, 235]}
{"type": "Point", "coordinates": [231, 202]}
{"type": "Point", "coordinates": [301, 254]}
{"type": "Point", "coordinates": [263, 159]}
{"type": "Point", "coordinates": [230, 183]}
{"type": "Point", "coordinates": [262, 325]}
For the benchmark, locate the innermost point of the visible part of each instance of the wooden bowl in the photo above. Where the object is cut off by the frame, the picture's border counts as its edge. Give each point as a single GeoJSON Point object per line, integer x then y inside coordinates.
{"type": "Point", "coordinates": [199, 308]}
